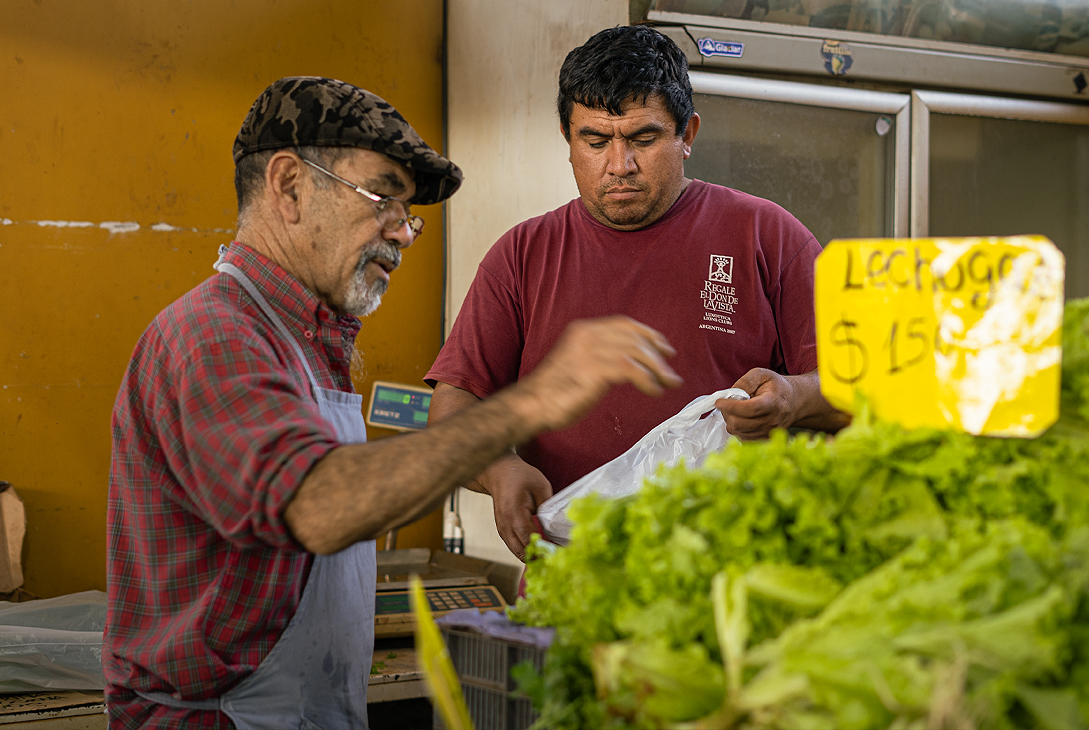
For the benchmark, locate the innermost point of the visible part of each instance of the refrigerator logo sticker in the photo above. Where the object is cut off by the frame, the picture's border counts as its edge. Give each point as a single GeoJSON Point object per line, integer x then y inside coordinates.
{"type": "Point", "coordinates": [719, 299]}
{"type": "Point", "coordinates": [837, 57]}
{"type": "Point", "coordinates": [710, 47]}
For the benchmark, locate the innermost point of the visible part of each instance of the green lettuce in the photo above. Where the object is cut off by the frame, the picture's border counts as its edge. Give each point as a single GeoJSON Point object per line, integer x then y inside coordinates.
{"type": "Point", "coordinates": [881, 578]}
{"type": "Point", "coordinates": [1075, 381]}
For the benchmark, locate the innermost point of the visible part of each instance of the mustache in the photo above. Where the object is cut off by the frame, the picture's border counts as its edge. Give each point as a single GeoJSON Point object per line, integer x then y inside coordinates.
{"type": "Point", "coordinates": [384, 251]}
{"type": "Point", "coordinates": [624, 183]}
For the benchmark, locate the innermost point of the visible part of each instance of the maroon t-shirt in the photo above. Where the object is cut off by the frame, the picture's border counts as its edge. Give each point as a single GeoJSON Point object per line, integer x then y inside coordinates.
{"type": "Point", "coordinates": [725, 276]}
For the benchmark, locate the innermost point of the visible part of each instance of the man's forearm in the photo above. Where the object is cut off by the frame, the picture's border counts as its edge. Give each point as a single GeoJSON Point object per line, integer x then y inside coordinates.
{"type": "Point", "coordinates": [812, 411]}
{"type": "Point", "coordinates": [445, 402]}
{"type": "Point", "coordinates": [516, 488]}
{"type": "Point", "coordinates": [358, 492]}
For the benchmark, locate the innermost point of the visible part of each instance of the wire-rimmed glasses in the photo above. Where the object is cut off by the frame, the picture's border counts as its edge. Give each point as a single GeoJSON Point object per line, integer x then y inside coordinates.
{"type": "Point", "coordinates": [397, 217]}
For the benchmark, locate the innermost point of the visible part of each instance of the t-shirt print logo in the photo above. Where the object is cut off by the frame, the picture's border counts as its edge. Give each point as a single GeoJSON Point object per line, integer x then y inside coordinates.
{"type": "Point", "coordinates": [719, 295]}
{"type": "Point", "coordinates": [722, 269]}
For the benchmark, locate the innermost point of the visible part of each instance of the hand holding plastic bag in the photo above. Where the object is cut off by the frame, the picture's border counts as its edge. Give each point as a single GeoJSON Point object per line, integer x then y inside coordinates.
{"type": "Point", "coordinates": [687, 435]}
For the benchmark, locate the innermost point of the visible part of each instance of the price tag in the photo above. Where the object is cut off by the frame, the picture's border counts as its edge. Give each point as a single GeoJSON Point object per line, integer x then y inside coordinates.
{"type": "Point", "coordinates": [962, 333]}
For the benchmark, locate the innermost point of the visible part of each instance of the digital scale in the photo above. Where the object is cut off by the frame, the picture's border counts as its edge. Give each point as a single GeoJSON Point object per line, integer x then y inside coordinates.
{"type": "Point", "coordinates": [451, 582]}
{"type": "Point", "coordinates": [398, 406]}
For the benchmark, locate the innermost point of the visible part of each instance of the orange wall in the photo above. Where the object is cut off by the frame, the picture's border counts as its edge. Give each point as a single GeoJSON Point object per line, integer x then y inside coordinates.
{"type": "Point", "coordinates": [123, 110]}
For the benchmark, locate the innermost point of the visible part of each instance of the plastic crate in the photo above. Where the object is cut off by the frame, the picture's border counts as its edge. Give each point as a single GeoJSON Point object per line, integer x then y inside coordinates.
{"type": "Point", "coordinates": [483, 665]}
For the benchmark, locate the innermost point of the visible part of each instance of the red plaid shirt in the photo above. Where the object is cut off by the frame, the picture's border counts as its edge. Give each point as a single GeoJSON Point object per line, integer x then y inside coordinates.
{"type": "Point", "coordinates": [214, 429]}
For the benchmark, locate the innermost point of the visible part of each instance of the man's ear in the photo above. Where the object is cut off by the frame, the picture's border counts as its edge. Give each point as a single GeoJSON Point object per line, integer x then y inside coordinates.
{"type": "Point", "coordinates": [689, 135]}
{"type": "Point", "coordinates": [564, 133]}
{"type": "Point", "coordinates": [283, 182]}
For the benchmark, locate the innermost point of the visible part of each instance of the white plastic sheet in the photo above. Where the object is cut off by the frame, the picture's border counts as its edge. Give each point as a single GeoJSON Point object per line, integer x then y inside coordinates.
{"type": "Point", "coordinates": [53, 643]}
{"type": "Point", "coordinates": [687, 435]}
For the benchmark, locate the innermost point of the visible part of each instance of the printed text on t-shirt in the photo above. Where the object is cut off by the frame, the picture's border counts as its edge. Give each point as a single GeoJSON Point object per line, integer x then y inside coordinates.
{"type": "Point", "coordinates": [719, 295]}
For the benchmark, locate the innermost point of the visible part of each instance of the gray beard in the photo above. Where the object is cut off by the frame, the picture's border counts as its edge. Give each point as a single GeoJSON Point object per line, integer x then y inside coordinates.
{"type": "Point", "coordinates": [361, 299]}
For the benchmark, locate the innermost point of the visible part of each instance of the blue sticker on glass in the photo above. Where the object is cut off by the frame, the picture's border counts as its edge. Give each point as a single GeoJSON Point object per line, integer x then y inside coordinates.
{"type": "Point", "coordinates": [837, 57]}
{"type": "Point", "coordinates": [711, 47]}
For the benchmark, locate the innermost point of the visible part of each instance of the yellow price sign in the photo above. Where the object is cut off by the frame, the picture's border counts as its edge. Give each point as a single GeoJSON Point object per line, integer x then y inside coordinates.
{"type": "Point", "coordinates": [962, 333]}
{"type": "Point", "coordinates": [434, 661]}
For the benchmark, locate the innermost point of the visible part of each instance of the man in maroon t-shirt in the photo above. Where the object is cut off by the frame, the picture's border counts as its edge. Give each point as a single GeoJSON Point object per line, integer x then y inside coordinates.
{"type": "Point", "coordinates": [727, 277]}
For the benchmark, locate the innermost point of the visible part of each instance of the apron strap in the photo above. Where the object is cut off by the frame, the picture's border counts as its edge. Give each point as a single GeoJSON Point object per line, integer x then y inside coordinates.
{"type": "Point", "coordinates": [234, 271]}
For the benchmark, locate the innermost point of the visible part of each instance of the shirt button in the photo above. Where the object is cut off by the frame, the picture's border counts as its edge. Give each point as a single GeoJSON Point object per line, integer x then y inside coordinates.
{"type": "Point", "coordinates": [309, 334]}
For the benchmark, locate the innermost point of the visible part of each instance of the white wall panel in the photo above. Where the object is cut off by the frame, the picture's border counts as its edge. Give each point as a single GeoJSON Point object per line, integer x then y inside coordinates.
{"type": "Point", "coordinates": [503, 62]}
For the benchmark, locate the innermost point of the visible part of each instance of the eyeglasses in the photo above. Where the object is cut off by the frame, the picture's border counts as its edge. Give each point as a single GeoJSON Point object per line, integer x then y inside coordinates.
{"type": "Point", "coordinates": [397, 216]}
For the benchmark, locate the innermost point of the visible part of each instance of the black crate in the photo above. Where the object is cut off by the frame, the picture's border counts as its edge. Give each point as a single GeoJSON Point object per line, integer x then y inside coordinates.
{"type": "Point", "coordinates": [483, 665]}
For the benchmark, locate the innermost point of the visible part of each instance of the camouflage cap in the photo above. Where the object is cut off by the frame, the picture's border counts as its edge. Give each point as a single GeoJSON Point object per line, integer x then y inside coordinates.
{"type": "Point", "coordinates": [304, 111]}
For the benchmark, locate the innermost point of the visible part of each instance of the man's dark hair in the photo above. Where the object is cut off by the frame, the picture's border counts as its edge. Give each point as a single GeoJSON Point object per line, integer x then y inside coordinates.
{"type": "Point", "coordinates": [624, 62]}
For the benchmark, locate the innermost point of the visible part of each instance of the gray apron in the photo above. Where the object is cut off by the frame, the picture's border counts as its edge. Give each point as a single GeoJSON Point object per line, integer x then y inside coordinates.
{"type": "Point", "coordinates": [316, 675]}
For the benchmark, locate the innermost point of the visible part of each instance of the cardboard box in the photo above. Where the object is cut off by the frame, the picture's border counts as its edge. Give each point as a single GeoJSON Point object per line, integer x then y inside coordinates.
{"type": "Point", "coordinates": [12, 531]}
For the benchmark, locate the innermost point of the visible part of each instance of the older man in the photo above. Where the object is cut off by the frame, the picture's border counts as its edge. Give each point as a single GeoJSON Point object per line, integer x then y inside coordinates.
{"type": "Point", "coordinates": [728, 276]}
{"type": "Point", "coordinates": [243, 504]}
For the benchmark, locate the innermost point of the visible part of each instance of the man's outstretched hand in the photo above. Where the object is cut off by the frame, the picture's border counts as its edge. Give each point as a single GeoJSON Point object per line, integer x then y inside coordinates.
{"type": "Point", "coordinates": [592, 356]}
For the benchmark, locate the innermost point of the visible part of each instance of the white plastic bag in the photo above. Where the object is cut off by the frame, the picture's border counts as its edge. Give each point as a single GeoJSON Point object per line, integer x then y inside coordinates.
{"type": "Point", "coordinates": [684, 436]}
{"type": "Point", "coordinates": [53, 643]}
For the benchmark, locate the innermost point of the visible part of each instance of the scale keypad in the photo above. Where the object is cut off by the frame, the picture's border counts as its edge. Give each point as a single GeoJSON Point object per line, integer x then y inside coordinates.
{"type": "Point", "coordinates": [454, 599]}
{"type": "Point", "coordinates": [440, 600]}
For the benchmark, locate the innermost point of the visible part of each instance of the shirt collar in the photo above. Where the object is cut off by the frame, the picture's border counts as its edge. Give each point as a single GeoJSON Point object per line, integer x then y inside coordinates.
{"type": "Point", "coordinates": [296, 304]}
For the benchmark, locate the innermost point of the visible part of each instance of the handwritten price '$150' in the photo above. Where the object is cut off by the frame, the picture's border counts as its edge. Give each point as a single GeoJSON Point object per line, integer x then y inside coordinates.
{"type": "Point", "coordinates": [908, 343]}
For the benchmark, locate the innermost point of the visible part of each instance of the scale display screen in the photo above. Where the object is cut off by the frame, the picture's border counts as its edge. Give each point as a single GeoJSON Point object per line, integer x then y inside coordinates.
{"type": "Point", "coordinates": [397, 406]}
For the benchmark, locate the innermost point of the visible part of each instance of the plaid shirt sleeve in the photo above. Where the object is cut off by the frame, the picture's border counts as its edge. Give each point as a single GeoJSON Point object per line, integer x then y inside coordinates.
{"type": "Point", "coordinates": [243, 434]}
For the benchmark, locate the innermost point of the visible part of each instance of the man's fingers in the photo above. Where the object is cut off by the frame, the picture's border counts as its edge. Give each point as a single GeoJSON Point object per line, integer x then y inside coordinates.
{"type": "Point", "coordinates": [748, 429]}
{"type": "Point", "coordinates": [666, 376]}
{"type": "Point", "coordinates": [768, 407]}
{"type": "Point", "coordinates": [751, 381]}
{"type": "Point", "coordinates": [651, 376]}
{"type": "Point", "coordinates": [647, 355]}
{"type": "Point", "coordinates": [591, 357]}
{"type": "Point", "coordinates": [515, 529]}
{"type": "Point", "coordinates": [756, 407]}
{"type": "Point", "coordinates": [751, 435]}
{"type": "Point", "coordinates": [521, 529]}
{"type": "Point", "coordinates": [517, 548]}
{"type": "Point", "coordinates": [514, 516]}
{"type": "Point", "coordinates": [747, 419]}
{"type": "Point", "coordinates": [656, 339]}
